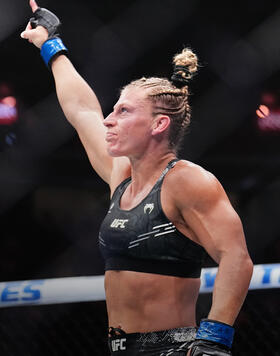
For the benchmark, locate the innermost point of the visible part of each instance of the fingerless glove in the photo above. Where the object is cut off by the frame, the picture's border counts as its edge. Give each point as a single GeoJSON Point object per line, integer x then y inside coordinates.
{"type": "Point", "coordinates": [53, 46]}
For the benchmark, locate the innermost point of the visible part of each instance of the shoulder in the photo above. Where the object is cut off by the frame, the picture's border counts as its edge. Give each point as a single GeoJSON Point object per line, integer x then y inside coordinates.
{"type": "Point", "coordinates": [191, 184]}
{"type": "Point", "coordinates": [191, 175]}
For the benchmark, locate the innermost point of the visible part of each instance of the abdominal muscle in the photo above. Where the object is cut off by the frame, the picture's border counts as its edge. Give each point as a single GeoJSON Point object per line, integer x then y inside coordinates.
{"type": "Point", "coordinates": [144, 302]}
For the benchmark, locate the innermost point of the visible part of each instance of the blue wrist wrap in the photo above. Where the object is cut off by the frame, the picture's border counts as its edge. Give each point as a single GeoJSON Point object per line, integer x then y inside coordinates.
{"type": "Point", "coordinates": [215, 331]}
{"type": "Point", "coordinates": [50, 48]}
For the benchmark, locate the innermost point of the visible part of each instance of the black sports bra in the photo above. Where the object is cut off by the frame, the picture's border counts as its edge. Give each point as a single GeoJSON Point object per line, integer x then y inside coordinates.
{"type": "Point", "coordinates": [142, 239]}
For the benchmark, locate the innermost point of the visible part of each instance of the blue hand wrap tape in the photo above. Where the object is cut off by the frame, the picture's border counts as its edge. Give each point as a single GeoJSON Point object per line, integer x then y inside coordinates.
{"type": "Point", "coordinates": [50, 48]}
{"type": "Point", "coordinates": [216, 332]}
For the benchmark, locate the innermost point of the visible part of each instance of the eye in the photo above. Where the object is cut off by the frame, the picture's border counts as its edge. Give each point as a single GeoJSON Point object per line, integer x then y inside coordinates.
{"type": "Point", "coordinates": [123, 109]}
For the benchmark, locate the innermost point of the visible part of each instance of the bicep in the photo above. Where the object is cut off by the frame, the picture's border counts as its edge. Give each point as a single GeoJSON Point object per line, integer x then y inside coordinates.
{"type": "Point", "coordinates": [215, 223]}
{"type": "Point", "coordinates": [218, 230]}
{"type": "Point", "coordinates": [121, 170]}
{"type": "Point", "coordinates": [91, 132]}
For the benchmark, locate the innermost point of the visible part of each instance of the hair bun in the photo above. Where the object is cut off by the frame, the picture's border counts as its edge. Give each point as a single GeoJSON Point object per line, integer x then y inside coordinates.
{"type": "Point", "coordinates": [180, 76]}
{"type": "Point", "coordinates": [185, 64]}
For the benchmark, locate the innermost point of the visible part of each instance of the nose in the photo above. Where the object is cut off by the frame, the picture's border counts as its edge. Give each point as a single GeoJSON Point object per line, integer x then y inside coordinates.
{"type": "Point", "coordinates": [109, 120]}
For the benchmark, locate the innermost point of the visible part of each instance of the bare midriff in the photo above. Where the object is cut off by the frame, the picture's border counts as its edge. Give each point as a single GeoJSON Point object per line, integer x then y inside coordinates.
{"type": "Point", "coordinates": [144, 302]}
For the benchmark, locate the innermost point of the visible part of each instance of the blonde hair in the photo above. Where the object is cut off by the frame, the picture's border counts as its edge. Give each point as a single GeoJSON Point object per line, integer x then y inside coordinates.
{"type": "Point", "coordinates": [170, 97]}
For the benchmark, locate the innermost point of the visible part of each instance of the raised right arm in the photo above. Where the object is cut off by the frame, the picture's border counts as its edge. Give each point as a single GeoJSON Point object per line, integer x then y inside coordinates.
{"type": "Point", "coordinates": [81, 107]}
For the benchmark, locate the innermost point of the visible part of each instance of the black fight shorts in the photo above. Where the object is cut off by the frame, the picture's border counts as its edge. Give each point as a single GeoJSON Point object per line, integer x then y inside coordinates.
{"type": "Point", "coordinates": [173, 342]}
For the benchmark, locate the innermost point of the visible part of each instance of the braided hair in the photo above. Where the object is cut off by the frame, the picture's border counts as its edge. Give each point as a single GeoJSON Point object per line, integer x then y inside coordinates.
{"type": "Point", "coordinates": [170, 97]}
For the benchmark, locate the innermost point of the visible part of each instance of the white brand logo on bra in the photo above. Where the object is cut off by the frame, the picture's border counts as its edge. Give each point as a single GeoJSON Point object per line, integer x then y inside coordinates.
{"type": "Point", "coordinates": [118, 344]}
{"type": "Point", "coordinates": [119, 223]}
{"type": "Point", "coordinates": [148, 208]}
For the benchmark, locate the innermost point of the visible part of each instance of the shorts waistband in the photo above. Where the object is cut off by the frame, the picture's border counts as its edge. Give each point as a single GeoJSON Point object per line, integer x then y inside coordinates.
{"type": "Point", "coordinates": [183, 334]}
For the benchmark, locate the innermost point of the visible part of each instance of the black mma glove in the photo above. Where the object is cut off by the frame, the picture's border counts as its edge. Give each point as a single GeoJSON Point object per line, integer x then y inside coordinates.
{"type": "Point", "coordinates": [213, 338]}
{"type": "Point", "coordinates": [47, 19]}
{"type": "Point", "coordinates": [205, 348]}
{"type": "Point", "coordinates": [54, 46]}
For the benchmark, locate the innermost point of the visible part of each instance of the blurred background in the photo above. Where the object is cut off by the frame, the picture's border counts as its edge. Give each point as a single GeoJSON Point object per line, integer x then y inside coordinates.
{"type": "Point", "coordinates": [52, 202]}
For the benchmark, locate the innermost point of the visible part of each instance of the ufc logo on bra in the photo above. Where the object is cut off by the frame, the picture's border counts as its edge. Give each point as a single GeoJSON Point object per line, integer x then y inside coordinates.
{"type": "Point", "coordinates": [118, 344]}
{"type": "Point", "coordinates": [119, 223]}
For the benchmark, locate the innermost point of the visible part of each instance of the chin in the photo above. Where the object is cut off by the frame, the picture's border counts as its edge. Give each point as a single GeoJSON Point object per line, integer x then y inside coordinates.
{"type": "Point", "coordinates": [114, 153]}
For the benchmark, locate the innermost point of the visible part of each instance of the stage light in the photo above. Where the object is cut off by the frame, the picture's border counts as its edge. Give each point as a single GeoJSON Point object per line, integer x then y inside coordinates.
{"type": "Point", "coordinates": [8, 105]}
{"type": "Point", "coordinates": [10, 101]}
{"type": "Point", "coordinates": [8, 114]}
{"type": "Point", "coordinates": [268, 113]}
{"type": "Point", "coordinates": [263, 111]}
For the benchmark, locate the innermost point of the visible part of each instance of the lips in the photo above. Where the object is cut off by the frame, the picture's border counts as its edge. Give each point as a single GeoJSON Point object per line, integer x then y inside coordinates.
{"type": "Point", "coordinates": [110, 136]}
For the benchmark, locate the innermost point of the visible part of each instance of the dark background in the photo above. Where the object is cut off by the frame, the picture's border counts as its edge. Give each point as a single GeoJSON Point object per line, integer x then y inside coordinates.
{"type": "Point", "coordinates": [52, 202]}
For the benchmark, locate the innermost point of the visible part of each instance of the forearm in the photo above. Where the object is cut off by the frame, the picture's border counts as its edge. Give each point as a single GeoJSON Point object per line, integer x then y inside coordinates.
{"type": "Point", "coordinates": [75, 96]}
{"type": "Point", "coordinates": [231, 286]}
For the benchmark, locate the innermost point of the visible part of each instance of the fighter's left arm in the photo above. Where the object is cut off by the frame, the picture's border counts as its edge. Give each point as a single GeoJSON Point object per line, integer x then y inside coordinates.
{"type": "Point", "coordinates": [208, 213]}
{"type": "Point", "coordinates": [218, 228]}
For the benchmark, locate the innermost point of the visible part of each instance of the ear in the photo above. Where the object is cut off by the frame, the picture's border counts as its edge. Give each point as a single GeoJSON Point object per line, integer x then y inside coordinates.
{"type": "Point", "coordinates": [160, 124]}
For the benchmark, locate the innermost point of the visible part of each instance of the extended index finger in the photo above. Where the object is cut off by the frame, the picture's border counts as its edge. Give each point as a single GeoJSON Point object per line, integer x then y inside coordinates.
{"type": "Point", "coordinates": [33, 5]}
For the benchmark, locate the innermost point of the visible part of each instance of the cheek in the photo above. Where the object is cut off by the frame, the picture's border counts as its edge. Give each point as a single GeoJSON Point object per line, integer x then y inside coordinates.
{"type": "Point", "coordinates": [140, 128]}
{"type": "Point", "coordinates": [128, 131]}
{"type": "Point", "coordinates": [137, 129]}
{"type": "Point", "coordinates": [136, 135]}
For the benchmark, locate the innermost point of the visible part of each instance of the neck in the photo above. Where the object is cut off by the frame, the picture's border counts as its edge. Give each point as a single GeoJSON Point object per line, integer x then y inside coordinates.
{"type": "Point", "coordinates": [147, 169]}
